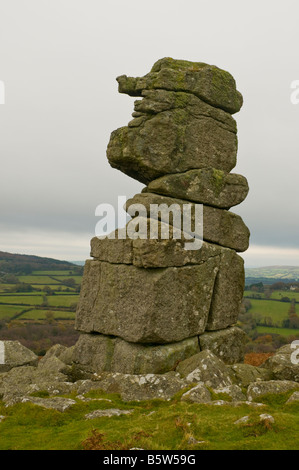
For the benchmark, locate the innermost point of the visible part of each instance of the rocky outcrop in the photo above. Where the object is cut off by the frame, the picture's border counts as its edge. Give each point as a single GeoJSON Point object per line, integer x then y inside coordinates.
{"type": "Point", "coordinates": [148, 300]}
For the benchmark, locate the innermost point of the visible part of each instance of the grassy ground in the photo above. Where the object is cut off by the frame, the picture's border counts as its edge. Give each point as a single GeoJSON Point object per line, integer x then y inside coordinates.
{"type": "Point", "coordinates": [278, 311]}
{"type": "Point", "coordinates": [286, 332]}
{"type": "Point", "coordinates": [154, 425]}
{"type": "Point", "coordinates": [41, 314]}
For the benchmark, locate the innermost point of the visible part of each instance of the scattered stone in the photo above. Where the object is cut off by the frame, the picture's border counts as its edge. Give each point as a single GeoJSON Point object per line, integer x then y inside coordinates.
{"type": "Point", "coordinates": [136, 387]}
{"type": "Point", "coordinates": [16, 355]}
{"type": "Point", "coordinates": [265, 418]}
{"type": "Point", "coordinates": [294, 398]}
{"type": "Point", "coordinates": [207, 368]}
{"type": "Point", "coordinates": [245, 374]}
{"type": "Point", "coordinates": [107, 413]}
{"type": "Point", "coordinates": [2, 418]}
{"type": "Point", "coordinates": [197, 394]}
{"type": "Point", "coordinates": [281, 365]}
{"type": "Point", "coordinates": [242, 420]}
{"type": "Point", "coordinates": [233, 391]}
{"type": "Point", "coordinates": [273, 387]}
{"type": "Point", "coordinates": [55, 403]}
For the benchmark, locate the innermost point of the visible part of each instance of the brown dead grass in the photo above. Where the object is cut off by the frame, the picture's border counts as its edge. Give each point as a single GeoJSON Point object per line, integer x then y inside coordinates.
{"type": "Point", "coordinates": [256, 359]}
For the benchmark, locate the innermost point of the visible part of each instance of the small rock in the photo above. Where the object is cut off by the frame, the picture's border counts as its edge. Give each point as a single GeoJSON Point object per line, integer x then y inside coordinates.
{"type": "Point", "coordinates": [267, 418]}
{"type": "Point", "coordinates": [242, 420]}
{"type": "Point", "coordinates": [197, 394]}
{"type": "Point", "coordinates": [107, 413]}
{"type": "Point", "coordinates": [17, 355]}
{"type": "Point", "coordinates": [2, 418]}
{"type": "Point", "coordinates": [293, 398]}
{"type": "Point", "coordinates": [233, 391]}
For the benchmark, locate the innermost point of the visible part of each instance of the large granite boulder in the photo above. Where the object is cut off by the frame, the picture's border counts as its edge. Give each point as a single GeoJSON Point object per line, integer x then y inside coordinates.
{"type": "Point", "coordinates": [206, 186]}
{"type": "Point", "coordinates": [99, 353]}
{"type": "Point", "coordinates": [16, 355]}
{"type": "Point", "coordinates": [219, 226]}
{"type": "Point", "coordinates": [173, 141]}
{"type": "Point", "coordinates": [176, 305]}
{"type": "Point", "coordinates": [210, 83]}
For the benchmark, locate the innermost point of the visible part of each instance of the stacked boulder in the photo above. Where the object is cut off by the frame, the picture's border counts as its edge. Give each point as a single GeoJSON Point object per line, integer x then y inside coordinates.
{"type": "Point", "coordinates": [148, 303]}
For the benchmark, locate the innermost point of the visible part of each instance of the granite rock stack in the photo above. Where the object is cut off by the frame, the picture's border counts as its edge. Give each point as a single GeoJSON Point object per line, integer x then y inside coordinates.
{"type": "Point", "coordinates": [147, 303]}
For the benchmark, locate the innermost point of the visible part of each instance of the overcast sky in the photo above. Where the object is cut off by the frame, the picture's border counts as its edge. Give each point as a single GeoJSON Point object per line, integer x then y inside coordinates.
{"type": "Point", "coordinates": [59, 60]}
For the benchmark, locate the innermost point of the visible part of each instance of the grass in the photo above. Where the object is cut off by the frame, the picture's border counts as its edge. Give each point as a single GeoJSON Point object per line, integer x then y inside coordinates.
{"type": "Point", "coordinates": [46, 280]}
{"type": "Point", "coordinates": [278, 311]}
{"type": "Point", "coordinates": [277, 294]}
{"type": "Point", "coordinates": [41, 315]}
{"type": "Point", "coordinates": [62, 300]}
{"type": "Point", "coordinates": [278, 331]}
{"type": "Point", "coordinates": [154, 425]}
{"type": "Point", "coordinates": [21, 299]}
{"type": "Point", "coordinates": [9, 311]}
{"type": "Point", "coordinates": [54, 273]}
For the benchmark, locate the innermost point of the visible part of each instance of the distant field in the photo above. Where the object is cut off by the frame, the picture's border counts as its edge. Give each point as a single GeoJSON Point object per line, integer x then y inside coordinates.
{"type": "Point", "coordinates": [278, 331]}
{"type": "Point", "coordinates": [275, 294]}
{"type": "Point", "coordinates": [21, 299]}
{"type": "Point", "coordinates": [37, 280]}
{"type": "Point", "coordinates": [8, 311]}
{"type": "Point", "coordinates": [53, 273]}
{"type": "Point", "coordinates": [6, 287]}
{"type": "Point", "coordinates": [41, 315]}
{"type": "Point", "coordinates": [278, 311]}
{"type": "Point", "coordinates": [62, 300]}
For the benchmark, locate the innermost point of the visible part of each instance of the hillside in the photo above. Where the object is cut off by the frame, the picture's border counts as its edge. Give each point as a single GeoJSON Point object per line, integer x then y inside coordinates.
{"type": "Point", "coordinates": [287, 273]}
{"type": "Point", "coordinates": [16, 263]}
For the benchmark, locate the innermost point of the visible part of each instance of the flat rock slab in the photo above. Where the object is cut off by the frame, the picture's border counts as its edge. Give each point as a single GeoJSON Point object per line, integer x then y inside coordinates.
{"type": "Point", "coordinates": [212, 84]}
{"type": "Point", "coordinates": [206, 186]}
{"type": "Point", "coordinates": [227, 344]}
{"type": "Point", "coordinates": [271, 387]}
{"type": "Point", "coordinates": [16, 355]}
{"type": "Point", "coordinates": [219, 226]}
{"type": "Point", "coordinates": [99, 353]}
{"type": "Point", "coordinates": [146, 306]}
{"type": "Point", "coordinates": [55, 403]}
{"type": "Point", "coordinates": [109, 413]}
{"type": "Point", "coordinates": [137, 387]}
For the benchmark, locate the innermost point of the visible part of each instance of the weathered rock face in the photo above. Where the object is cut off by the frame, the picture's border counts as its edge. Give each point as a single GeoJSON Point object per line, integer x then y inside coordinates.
{"type": "Point", "coordinates": [172, 141]}
{"type": "Point", "coordinates": [219, 226]}
{"type": "Point", "coordinates": [213, 85]}
{"type": "Point", "coordinates": [227, 344]}
{"type": "Point", "coordinates": [176, 305]}
{"type": "Point", "coordinates": [150, 300]}
{"type": "Point", "coordinates": [16, 355]}
{"type": "Point", "coordinates": [100, 353]}
{"type": "Point", "coordinates": [207, 186]}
